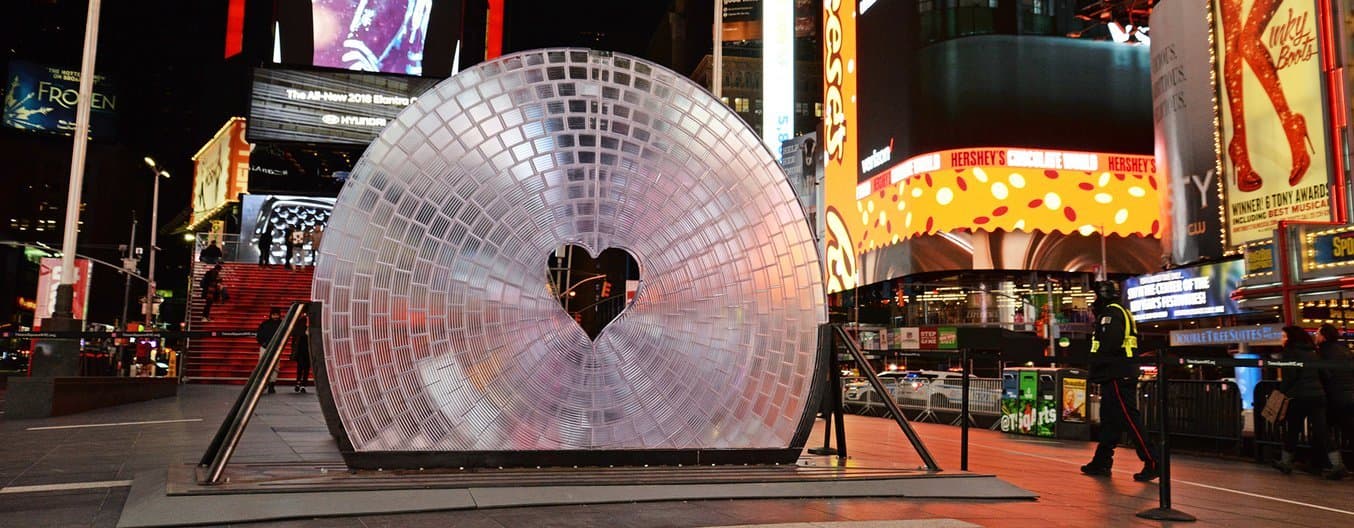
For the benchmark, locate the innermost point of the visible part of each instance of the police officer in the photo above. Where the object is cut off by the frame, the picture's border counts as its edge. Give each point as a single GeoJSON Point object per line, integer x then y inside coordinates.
{"type": "Point", "coordinates": [1112, 351]}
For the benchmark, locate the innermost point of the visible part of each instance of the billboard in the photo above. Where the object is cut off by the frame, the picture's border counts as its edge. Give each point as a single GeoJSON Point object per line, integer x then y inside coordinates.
{"type": "Point", "coordinates": [778, 73]}
{"type": "Point", "coordinates": [1008, 189]}
{"type": "Point", "coordinates": [1182, 112]}
{"type": "Point", "coordinates": [1197, 291]}
{"type": "Point", "coordinates": [43, 98]}
{"type": "Point", "coordinates": [841, 224]}
{"type": "Point", "coordinates": [278, 215]}
{"type": "Point", "coordinates": [49, 277]}
{"type": "Point", "coordinates": [220, 169]}
{"type": "Point", "coordinates": [406, 37]}
{"type": "Point", "coordinates": [327, 106]}
{"type": "Point", "coordinates": [1271, 111]}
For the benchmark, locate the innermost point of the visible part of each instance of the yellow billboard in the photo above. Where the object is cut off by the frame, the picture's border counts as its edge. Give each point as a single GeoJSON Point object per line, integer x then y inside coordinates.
{"type": "Point", "coordinates": [1271, 115]}
{"type": "Point", "coordinates": [839, 145]}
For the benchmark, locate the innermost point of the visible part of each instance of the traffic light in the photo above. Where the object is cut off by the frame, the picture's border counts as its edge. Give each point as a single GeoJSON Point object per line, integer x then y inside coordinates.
{"type": "Point", "coordinates": [606, 289]}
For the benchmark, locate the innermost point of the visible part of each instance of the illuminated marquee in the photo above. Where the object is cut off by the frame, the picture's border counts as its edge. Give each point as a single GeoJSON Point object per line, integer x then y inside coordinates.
{"type": "Point", "coordinates": [1013, 189]}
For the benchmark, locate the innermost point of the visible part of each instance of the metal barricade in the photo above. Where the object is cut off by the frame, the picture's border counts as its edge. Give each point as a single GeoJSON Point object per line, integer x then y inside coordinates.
{"type": "Point", "coordinates": [927, 397]}
{"type": "Point", "coordinates": [1197, 409]}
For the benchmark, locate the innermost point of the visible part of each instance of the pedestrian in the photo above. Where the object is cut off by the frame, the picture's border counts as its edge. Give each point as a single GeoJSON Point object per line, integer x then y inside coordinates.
{"type": "Point", "coordinates": [211, 254]}
{"type": "Point", "coordinates": [267, 329]}
{"type": "Point", "coordinates": [1339, 386]}
{"type": "Point", "coordinates": [265, 246]}
{"type": "Point", "coordinates": [1335, 391]}
{"type": "Point", "coordinates": [315, 237]}
{"type": "Point", "coordinates": [295, 239]}
{"type": "Point", "coordinates": [1112, 367]}
{"type": "Point", "coordinates": [300, 351]}
{"type": "Point", "coordinates": [212, 291]}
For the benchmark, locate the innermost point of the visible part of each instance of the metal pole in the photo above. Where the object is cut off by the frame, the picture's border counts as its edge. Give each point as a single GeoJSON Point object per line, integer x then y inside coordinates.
{"type": "Point", "coordinates": [1164, 511]}
{"type": "Point", "coordinates": [154, 227]}
{"type": "Point", "coordinates": [963, 411]}
{"type": "Point", "coordinates": [66, 291]}
{"type": "Point", "coordinates": [854, 348]}
{"type": "Point", "coordinates": [127, 288]}
{"type": "Point", "coordinates": [717, 60]}
{"type": "Point", "coordinates": [1104, 262]}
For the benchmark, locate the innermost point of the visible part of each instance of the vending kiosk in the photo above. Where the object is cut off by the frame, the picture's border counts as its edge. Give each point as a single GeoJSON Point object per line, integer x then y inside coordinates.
{"type": "Point", "coordinates": [1047, 402]}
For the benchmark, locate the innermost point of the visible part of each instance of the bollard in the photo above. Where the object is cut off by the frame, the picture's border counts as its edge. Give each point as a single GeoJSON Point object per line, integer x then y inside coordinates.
{"type": "Point", "coordinates": [1164, 511]}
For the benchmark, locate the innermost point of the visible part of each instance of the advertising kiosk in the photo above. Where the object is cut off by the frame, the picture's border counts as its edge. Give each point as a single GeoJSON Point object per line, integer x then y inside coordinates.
{"type": "Point", "coordinates": [1047, 402]}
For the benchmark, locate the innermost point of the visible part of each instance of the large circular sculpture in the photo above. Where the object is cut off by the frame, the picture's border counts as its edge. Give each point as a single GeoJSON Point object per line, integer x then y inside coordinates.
{"type": "Point", "coordinates": [441, 335]}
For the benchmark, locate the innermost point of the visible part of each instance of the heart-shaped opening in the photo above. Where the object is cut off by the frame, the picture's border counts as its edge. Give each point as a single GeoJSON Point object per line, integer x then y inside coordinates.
{"type": "Point", "coordinates": [593, 291]}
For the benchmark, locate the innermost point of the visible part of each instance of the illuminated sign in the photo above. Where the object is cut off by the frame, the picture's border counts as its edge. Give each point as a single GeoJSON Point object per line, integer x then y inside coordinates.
{"type": "Point", "coordinates": [1272, 115]}
{"type": "Point", "coordinates": [26, 303]}
{"type": "Point", "coordinates": [43, 99]}
{"type": "Point", "coordinates": [1271, 334]}
{"type": "Point", "coordinates": [841, 220]}
{"type": "Point", "coordinates": [49, 278]}
{"type": "Point", "coordinates": [327, 107]}
{"type": "Point", "coordinates": [370, 36]}
{"type": "Point", "coordinates": [938, 338]}
{"type": "Point", "coordinates": [1198, 291]}
{"type": "Point", "coordinates": [778, 72]}
{"type": "Point", "coordinates": [1011, 189]}
{"type": "Point", "coordinates": [220, 169]}
{"type": "Point", "coordinates": [1259, 259]}
{"type": "Point", "coordinates": [1335, 248]}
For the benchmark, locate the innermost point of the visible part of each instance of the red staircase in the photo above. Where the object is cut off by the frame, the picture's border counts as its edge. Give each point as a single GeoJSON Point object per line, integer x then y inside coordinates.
{"type": "Point", "coordinates": [253, 290]}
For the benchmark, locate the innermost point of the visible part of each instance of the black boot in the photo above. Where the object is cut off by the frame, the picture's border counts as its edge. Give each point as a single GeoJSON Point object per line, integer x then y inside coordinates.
{"type": "Point", "coordinates": [1098, 468]}
{"type": "Point", "coordinates": [1148, 473]}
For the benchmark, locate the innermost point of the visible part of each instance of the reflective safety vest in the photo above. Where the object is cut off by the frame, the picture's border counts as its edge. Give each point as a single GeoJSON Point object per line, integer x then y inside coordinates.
{"type": "Point", "coordinates": [1130, 333]}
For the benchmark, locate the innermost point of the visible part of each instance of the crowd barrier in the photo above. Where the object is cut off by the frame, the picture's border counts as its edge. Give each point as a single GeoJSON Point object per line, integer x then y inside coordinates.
{"type": "Point", "coordinates": [1197, 409]}
{"type": "Point", "coordinates": [928, 397]}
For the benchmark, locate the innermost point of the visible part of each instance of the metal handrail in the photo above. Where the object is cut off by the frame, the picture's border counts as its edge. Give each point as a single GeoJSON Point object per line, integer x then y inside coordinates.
{"type": "Point", "coordinates": [854, 348]}
{"type": "Point", "coordinates": [213, 461]}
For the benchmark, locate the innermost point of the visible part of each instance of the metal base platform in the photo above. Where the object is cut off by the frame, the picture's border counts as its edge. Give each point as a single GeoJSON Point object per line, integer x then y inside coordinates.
{"type": "Point", "coordinates": [315, 490]}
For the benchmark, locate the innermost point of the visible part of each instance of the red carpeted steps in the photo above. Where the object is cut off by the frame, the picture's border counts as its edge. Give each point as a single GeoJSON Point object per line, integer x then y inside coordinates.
{"type": "Point", "coordinates": [253, 290]}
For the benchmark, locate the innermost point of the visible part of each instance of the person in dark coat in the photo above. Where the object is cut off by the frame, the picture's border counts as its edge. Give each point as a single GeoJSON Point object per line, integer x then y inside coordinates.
{"type": "Point", "coordinates": [1308, 398]}
{"type": "Point", "coordinates": [300, 351]}
{"type": "Point", "coordinates": [211, 254]}
{"type": "Point", "coordinates": [265, 246]}
{"type": "Point", "coordinates": [212, 291]}
{"type": "Point", "coordinates": [1112, 350]}
{"type": "Point", "coordinates": [1339, 386]}
{"type": "Point", "coordinates": [265, 333]}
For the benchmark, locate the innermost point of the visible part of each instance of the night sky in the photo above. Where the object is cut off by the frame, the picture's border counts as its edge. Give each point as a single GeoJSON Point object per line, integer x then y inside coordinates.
{"type": "Point", "coordinates": [175, 90]}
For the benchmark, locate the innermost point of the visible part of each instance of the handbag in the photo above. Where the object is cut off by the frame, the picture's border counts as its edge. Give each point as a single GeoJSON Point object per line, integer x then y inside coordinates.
{"type": "Point", "coordinates": [1276, 407]}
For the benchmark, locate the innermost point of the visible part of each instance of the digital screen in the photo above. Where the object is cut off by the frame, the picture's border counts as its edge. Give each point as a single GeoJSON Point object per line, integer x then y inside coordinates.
{"type": "Point", "coordinates": [43, 99]}
{"type": "Point", "coordinates": [327, 107]}
{"type": "Point", "coordinates": [406, 37]}
{"type": "Point", "coordinates": [280, 215]}
{"type": "Point", "coordinates": [1197, 291]}
{"type": "Point", "coordinates": [778, 73]}
{"type": "Point", "coordinates": [375, 36]}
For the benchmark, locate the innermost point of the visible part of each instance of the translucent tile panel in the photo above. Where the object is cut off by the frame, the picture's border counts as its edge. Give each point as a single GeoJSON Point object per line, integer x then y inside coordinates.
{"type": "Point", "coordinates": [442, 334]}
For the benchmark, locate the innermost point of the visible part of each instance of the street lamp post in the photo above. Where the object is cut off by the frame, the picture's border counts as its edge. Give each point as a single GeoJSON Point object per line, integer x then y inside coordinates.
{"type": "Point", "coordinates": [154, 231]}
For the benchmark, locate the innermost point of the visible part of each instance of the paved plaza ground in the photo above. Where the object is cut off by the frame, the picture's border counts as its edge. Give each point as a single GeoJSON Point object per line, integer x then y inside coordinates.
{"type": "Point", "coordinates": [76, 471]}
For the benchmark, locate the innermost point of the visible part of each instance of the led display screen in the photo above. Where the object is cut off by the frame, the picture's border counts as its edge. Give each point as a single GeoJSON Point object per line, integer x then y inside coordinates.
{"type": "Point", "coordinates": [1185, 293]}
{"type": "Point", "coordinates": [278, 216]}
{"type": "Point", "coordinates": [407, 37]}
{"type": "Point", "coordinates": [43, 99]}
{"type": "Point", "coordinates": [327, 106]}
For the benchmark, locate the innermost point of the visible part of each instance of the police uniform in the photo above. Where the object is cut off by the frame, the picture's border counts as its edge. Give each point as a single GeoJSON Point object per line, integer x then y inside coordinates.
{"type": "Point", "coordinates": [1112, 350]}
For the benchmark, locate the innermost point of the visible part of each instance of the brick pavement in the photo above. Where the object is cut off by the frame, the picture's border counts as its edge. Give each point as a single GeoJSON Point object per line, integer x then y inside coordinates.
{"type": "Point", "coordinates": [289, 428]}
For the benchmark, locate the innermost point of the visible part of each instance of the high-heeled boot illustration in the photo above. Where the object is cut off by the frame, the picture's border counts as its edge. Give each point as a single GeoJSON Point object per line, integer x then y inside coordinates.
{"type": "Point", "coordinates": [1246, 178]}
{"type": "Point", "coordinates": [1262, 63]}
